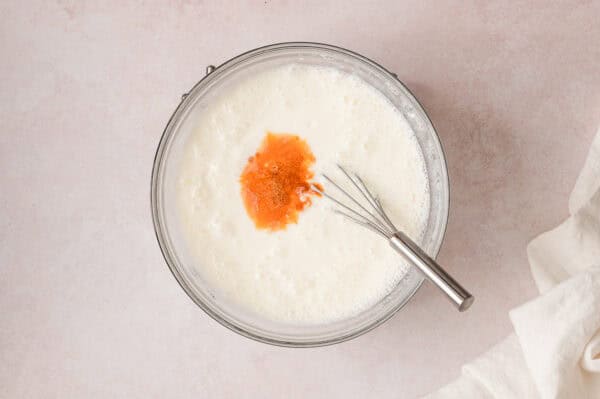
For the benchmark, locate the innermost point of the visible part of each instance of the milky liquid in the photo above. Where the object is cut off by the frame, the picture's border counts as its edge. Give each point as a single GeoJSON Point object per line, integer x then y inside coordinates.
{"type": "Point", "coordinates": [324, 268]}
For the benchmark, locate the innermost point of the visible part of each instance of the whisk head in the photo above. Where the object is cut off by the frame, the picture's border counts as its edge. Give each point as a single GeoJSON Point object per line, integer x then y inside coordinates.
{"type": "Point", "coordinates": [367, 212]}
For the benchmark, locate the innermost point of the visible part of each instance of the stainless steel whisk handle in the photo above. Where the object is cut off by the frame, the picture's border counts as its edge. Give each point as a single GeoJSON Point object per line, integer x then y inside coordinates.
{"type": "Point", "coordinates": [434, 272]}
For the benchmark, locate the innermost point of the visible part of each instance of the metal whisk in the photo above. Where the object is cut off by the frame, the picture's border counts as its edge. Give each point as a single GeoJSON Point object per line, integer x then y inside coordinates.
{"type": "Point", "coordinates": [372, 216]}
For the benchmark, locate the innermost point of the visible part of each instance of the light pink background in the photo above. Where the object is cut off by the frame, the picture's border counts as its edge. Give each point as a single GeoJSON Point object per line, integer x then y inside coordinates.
{"type": "Point", "coordinates": [88, 307]}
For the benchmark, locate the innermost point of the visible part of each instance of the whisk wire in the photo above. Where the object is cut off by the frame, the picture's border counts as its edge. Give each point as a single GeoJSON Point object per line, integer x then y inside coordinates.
{"type": "Point", "coordinates": [362, 188]}
{"type": "Point", "coordinates": [373, 219]}
{"type": "Point", "coordinates": [358, 218]}
{"type": "Point", "coordinates": [384, 215]}
{"type": "Point", "coordinates": [373, 200]}
{"type": "Point", "coordinates": [368, 225]}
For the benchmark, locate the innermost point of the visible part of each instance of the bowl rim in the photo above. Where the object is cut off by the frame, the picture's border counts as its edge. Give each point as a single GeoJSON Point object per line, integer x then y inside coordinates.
{"type": "Point", "coordinates": [159, 227]}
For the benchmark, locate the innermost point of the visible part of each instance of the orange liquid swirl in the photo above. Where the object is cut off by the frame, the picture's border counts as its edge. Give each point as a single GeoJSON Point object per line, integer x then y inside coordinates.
{"type": "Point", "coordinates": [276, 181]}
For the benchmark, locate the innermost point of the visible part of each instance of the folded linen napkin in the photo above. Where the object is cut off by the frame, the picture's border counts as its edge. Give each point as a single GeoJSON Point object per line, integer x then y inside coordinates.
{"type": "Point", "coordinates": [555, 349]}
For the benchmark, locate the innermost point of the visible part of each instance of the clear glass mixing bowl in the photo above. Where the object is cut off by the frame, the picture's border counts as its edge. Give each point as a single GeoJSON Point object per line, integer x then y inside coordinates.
{"type": "Point", "coordinates": [165, 174]}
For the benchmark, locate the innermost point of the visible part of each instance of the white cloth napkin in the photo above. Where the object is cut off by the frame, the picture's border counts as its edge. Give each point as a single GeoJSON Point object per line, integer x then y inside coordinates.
{"type": "Point", "coordinates": [555, 349]}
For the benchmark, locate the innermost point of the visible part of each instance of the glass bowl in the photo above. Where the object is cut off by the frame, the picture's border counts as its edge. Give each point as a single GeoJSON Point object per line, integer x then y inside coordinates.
{"type": "Point", "coordinates": [165, 173]}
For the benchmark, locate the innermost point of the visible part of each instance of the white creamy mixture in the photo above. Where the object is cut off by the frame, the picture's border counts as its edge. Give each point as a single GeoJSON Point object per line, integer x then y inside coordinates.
{"type": "Point", "coordinates": [324, 268]}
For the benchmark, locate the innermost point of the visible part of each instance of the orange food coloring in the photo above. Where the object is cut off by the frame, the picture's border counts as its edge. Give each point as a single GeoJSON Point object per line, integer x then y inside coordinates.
{"type": "Point", "coordinates": [276, 181]}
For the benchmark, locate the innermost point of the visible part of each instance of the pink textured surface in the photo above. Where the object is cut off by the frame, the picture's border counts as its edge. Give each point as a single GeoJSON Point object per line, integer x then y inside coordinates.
{"type": "Point", "coordinates": [87, 306]}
